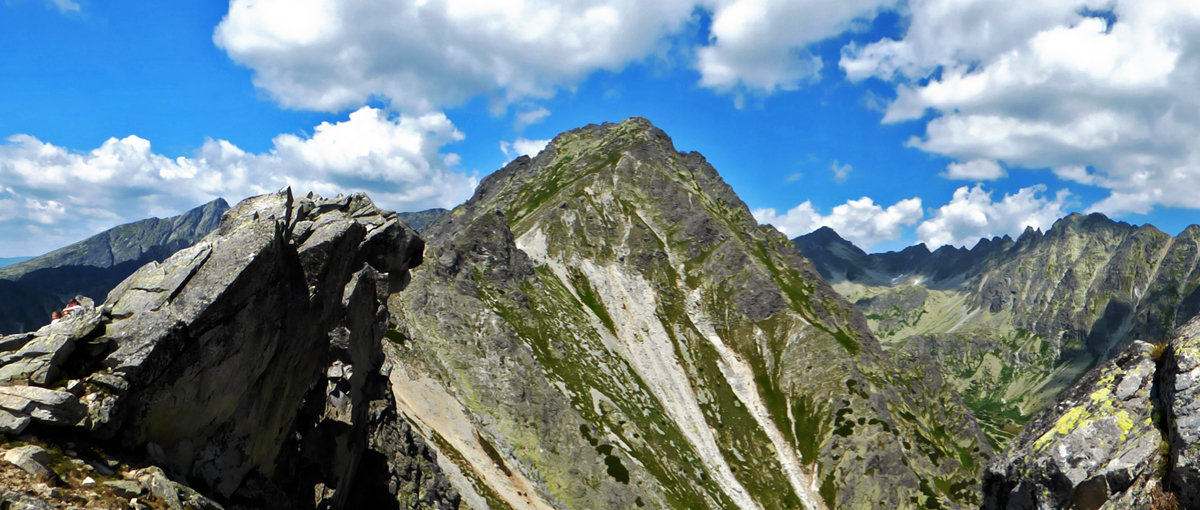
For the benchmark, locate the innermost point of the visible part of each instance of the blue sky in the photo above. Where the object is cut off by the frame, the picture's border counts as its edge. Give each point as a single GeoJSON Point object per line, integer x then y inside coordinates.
{"type": "Point", "coordinates": [893, 122]}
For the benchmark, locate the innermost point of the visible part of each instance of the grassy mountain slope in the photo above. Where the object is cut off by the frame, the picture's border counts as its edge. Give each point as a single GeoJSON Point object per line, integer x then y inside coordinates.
{"type": "Point", "coordinates": [606, 325]}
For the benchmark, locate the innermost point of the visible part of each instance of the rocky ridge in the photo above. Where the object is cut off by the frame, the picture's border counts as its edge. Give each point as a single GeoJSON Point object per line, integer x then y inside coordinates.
{"type": "Point", "coordinates": [606, 326]}
{"type": "Point", "coordinates": [246, 367]}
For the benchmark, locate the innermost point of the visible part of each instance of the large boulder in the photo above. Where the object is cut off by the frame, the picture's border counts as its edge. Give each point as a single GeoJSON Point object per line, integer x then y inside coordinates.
{"type": "Point", "coordinates": [247, 363]}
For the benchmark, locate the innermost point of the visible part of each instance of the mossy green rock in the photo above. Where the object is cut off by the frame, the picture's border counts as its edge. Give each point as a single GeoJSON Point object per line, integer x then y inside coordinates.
{"type": "Point", "coordinates": [1100, 445]}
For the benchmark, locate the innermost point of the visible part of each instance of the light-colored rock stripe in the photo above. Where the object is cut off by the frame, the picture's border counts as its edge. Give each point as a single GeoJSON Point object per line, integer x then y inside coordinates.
{"type": "Point", "coordinates": [741, 378]}
{"type": "Point", "coordinates": [425, 402]}
{"type": "Point", "coordinates": [646, 346]}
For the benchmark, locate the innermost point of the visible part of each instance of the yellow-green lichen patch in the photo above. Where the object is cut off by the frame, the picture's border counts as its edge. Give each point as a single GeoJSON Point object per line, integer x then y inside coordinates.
{"type": "Point", "coordinates": [1101, 406]}
{"type": "Point", "coordinates": [1066, 423]}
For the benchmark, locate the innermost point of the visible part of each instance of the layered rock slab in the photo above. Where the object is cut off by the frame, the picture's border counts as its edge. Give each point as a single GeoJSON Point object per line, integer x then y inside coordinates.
{"type": "Point", "coordinates": [247, 363]}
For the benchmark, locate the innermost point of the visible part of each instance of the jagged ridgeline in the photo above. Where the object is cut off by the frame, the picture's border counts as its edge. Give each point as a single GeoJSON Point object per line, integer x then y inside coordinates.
{"type": "Point", "coordinates": [1013, 323]}
{"type": "Point", "coordinates": [606, 326]}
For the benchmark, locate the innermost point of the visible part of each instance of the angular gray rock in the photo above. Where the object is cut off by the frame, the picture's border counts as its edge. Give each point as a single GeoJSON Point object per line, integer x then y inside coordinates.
{"type": "Point", "coordinates": [41, 404]}
{"type": "Point", "coordinates": [247, 363]}
{"type": "Point", "coordinates": [1126, 436]}
{"type": "Point", "coordinates": [1182, 388]}
{"type": "Point", "coordinates": [33, 459]}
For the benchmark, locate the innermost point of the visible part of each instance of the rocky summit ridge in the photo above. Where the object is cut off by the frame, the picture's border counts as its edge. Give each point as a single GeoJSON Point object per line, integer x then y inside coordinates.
{"type": "Point", "coordinates": [606, 326]}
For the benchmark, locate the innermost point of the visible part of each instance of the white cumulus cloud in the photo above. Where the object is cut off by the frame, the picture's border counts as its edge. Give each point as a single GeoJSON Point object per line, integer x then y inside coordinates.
{"type": "Point", "coordinates": [975, 170]}
{"type": "Point", "coordinates": [430, 55]}
{"type": "Point", "coordinates": [972, 214]}
{"type": "Point", "coordinates": [862, 221]}
{"type": "Point", "coordinates": [53, 196]}
{"type": "Point", "coordinates": [1100, 91]}
{"type": "Point", "coordinates": [426, 55]}
{"type": "Point", "coordinates": [761, 46]}
{"type": "Point", "coordinates": [522, 147]}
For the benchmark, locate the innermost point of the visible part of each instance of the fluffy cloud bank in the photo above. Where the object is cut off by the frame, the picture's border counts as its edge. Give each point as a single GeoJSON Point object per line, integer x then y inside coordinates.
{"type": "Point", "coordinates": [970, 215]}
{"type": "Point", "coordinates": [761, 46]}
{"type": "Point", "coordinates": [861, 221]}
{"type": "Point", "coordinates": [425, 56]}
{"type": "Point", "coordinates": [1100, 91]}
{"type": "Point", "coordinates": [53, 196]}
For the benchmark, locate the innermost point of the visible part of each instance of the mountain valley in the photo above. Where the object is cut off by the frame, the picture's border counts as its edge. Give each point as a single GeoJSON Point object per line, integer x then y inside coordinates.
{"type": "Point", "coordinates": [1012, 323]}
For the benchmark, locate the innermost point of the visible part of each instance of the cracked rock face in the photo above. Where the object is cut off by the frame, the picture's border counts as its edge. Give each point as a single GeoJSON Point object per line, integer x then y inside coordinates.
{"type": "Point", "coordinates": [1097, 443]}
{"type": "Point", "coordinates": [247, 363]}
{"type": "Point", "coordinates": [1182, 388]}
{"type": "Point", "coordinates": [1126, 436]}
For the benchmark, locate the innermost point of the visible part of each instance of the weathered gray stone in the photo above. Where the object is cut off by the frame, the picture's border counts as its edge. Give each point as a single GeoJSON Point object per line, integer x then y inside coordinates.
{"type": "Point", "coordinates": [32, 458]}
{"type": "Point", "coordinates": [209, 355]}
{"type": "Point", "coordinates": [14, 342]}
{"type": "Point", "coordinates": [39, 359]}
{"type": "Point", "coordinates": [42, 404]}
{"type": "Point", "coordinates": [125, 488]}
{"type": "Point", "coordinates": [21, 501]}
{"type": "Point", "coordinates": [1100, 442]}
{"type": "Point", "coordinates": [154, 480]}
{"type": "Point", "coordinates": [1183, 390]}
{"type": "Point", "coordinates": [13, 423]}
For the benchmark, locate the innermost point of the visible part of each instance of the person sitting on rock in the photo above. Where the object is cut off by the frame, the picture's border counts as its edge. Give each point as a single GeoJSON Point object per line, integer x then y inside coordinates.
{"type": "Point", "coordinates": [72, 307]}
{"type": "Point", "coordinates": [55, 317]}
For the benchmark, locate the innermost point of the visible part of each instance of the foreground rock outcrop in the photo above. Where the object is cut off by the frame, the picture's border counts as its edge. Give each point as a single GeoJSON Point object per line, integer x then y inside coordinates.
{"type": "Point", "coordinates": [246, 366]}
{"type": "Point", "coordinates": [1127, 435]}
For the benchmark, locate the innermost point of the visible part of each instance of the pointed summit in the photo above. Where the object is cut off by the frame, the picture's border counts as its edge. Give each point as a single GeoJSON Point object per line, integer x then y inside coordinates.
{"type": "Point", "coordinates": [626, 285]}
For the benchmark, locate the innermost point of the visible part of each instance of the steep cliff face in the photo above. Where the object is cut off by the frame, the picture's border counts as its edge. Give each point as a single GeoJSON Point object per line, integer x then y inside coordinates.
{"type": "Point", "coordinates": [95, 265]}
{"type": "Point", "coordinates": [247, 365]}
{"type": "Point", "coordinates": [606, 326]}
{"type": "Point", "coordinates": [1012, 323]}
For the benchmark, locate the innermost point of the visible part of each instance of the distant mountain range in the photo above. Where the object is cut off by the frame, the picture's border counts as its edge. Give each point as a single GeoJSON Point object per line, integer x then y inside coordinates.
{"type": "Point", "coordinates": [35, 287]}
{"type": "Point", "coordinates": [8, 261]}
{"type": "Point", "coordinates": [421, 219]}
{"type": "Point", "coordinates": [1013, 322]}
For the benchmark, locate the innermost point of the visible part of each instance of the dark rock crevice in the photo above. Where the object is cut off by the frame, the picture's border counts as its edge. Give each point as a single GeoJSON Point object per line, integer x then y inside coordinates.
{"type": "Point", "coordinates": [1164, 416]}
